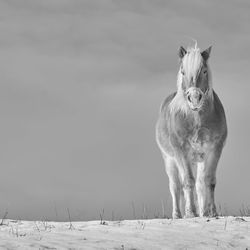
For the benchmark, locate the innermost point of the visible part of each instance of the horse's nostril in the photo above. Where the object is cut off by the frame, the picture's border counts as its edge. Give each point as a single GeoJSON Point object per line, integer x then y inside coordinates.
{"type": "Point", "coordinates": [200, 96]}
{"type": "Point", "coordinates": [189, 98]}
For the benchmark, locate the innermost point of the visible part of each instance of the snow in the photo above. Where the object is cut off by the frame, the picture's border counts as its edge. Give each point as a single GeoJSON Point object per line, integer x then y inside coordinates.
{"type": "Point", "coordinates": [195, 233]}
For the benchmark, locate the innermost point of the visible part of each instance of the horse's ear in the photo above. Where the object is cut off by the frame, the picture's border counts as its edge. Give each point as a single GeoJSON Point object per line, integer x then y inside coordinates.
{"type": "Point", "coordinates": [182, 52]}
{"type": "Point", "coordinates": [206, 53]}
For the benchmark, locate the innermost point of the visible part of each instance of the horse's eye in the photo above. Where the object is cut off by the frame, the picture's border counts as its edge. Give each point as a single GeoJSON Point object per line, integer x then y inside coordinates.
{"type": "Point", "coordinates": [183, 73]}
{"type": "Point", "coordinates": [205, 72]}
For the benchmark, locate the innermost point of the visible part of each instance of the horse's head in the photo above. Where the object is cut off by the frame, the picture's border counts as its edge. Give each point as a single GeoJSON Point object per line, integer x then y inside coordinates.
{"type": "Point", "coordinates": [194, 77]}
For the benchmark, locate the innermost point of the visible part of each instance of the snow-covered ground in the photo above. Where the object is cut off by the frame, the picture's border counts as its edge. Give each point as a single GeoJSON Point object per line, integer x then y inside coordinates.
{"type": "Point", "coordinates": [196, 233]}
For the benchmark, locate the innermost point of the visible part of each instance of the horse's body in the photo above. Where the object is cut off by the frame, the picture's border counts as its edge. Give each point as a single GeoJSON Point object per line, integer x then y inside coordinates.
{"type": "Point", "coordinates": [191, 132]}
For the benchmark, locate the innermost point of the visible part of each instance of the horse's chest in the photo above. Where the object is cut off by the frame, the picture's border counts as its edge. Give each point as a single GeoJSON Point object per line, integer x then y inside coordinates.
{"type": "Point", "coordinates": [195, 138]}
{"type": "Point", "coordinates": [199, 143]}
{"type": "Point", "coordinates": [199, 138]}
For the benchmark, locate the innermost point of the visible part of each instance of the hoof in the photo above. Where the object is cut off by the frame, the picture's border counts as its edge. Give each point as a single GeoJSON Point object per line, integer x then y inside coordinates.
{"type": "Point", "coordinates": [209, 214]}
{"type": "Point", "coordinates": [190, 215]}
{"type": "Point", "coordinates": [204, 215]}
{"type": "Point", "coordinates": [176, 215]}
{"type": "Point", "coordinates": [213, 214]}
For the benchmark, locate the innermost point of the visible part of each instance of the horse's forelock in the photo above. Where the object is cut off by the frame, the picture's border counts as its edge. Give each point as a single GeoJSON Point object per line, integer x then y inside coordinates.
{"type": "Point", "coordinates": [192, 62]}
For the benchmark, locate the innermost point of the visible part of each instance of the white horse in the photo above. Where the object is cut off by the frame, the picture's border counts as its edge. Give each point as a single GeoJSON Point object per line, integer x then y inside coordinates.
{"type": "Point", "coordinates": [191, 132]}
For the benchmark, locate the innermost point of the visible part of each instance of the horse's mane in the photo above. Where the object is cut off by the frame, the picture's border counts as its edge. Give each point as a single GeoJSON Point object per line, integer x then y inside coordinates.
{"type": "Point", "coordinates": [192, 63]}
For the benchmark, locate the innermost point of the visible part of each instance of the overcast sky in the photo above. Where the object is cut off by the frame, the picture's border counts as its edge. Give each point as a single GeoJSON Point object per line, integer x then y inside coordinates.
{"type": "Point", "coordinates": [81, 83]}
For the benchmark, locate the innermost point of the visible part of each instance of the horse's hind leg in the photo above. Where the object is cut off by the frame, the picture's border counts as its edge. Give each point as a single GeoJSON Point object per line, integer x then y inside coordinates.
{"type": "Point", "coordinates": [174, 185]}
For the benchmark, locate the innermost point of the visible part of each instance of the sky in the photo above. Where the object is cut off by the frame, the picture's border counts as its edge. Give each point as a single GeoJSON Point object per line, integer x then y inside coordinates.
{"type": "Point", "coordinates": [81, 83]}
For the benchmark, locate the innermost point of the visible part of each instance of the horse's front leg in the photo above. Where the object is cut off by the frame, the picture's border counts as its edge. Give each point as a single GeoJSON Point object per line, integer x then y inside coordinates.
{"type": "Point", "coordinates": [211, 163]}
{"type": "Point", "coordinates": [206, 181]}
{"type": "Point", "coordinates": [188, 183]}
{"type": "Point", "coordinates": [201, 190]}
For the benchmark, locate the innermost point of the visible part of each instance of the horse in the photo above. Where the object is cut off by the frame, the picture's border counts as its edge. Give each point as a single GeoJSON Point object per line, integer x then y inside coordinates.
{"type": "Point", "coordinates": [191, 132]}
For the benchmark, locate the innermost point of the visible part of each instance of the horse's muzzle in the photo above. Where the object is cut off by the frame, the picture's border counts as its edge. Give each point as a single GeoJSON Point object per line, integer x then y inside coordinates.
{"type": "Point", "coordinates": [195, 98]}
